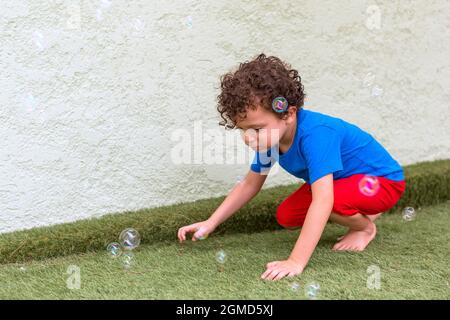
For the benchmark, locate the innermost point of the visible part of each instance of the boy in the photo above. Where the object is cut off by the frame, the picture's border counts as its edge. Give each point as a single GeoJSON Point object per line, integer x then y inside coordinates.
{"type": "Point", "coordinates": [350, 178]}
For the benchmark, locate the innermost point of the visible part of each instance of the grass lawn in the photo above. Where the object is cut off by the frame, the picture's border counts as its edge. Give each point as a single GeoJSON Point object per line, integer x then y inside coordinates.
{"type": "Point", "coordinates": [413, 258]}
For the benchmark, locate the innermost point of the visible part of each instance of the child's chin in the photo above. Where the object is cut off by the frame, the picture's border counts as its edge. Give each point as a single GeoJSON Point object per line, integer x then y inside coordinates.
{"type": "Point", "coordinates": [262, 149]}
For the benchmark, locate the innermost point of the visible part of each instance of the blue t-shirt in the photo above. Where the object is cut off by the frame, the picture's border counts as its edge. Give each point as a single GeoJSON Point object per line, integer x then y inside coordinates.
{"type": "Point", "coordinates": [325, 144]}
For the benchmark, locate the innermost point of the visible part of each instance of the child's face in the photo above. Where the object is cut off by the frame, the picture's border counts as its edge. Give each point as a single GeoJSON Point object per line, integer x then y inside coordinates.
{"type": "Point", "coordinates": [262, 129]}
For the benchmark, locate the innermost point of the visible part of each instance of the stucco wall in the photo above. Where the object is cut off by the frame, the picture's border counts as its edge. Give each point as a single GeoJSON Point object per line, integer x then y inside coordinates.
{"type": "Point", "coordinates": [92, 91]}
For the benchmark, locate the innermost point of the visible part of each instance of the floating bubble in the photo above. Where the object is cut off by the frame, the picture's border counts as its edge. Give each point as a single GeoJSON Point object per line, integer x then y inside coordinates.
{"type": "Point", "coordinates": [377, 91]}
{"type": "Point", "coordinates": [312, 290]}
{"type": "Point", "coordinates": [114, 249]}
{"type": "Point", "coordinates": [128, 259]}
{"type": "Point", "coordinates": [105, 3]}
{"type": "Point", "coordinates": [221, 256]}
{"type": "Point", "coordinates": [99, 14]}
{"type": "Point", "coordinates": [23, 269]}
{"type": "Point", "coordinates": [104, 6]}
{"type": "Point", "coordinates": [189, 21]}
{"type": "Point", "coordinates": [409, 214]}
{"type": "Point", "coordinates": [138, 25]}
{"type": "Point", "coordinates": [129, 239]}
{"type": "Point", "coordinates": [294, 286]}
{"type": "Point", "coordinates": [30, 102]}
{"type": "Point", "coordinates": [39, 40]}
{"type": "Point", "coordinates": [368, 80]}
{"type": "Point", "coordinates": [369, 185]}
{"type": "Point", "coordinates": [201, 233]}
{"type": "Point", "coordinates": [280, 104]}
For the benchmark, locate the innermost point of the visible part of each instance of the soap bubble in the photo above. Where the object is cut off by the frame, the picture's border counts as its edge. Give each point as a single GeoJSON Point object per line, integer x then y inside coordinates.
{"type": "Point", "coordinates": [128, 259]}
{"type": "Point", "coordinates": [221, 256]}
{"type": "Point", "coordinates": [39, 40]}
{"type": "Point", "coordinates": [312, 290]}
{"type": "Point", "coordinates": [201, 233]}
{"type": "Point", "coordinates": [294, 286]}
{"type": "Point", "coordinates": [30, 102]}
{"type": "Point", "coordinates": [189, 21]}
{"type": "Point", "coordinates": [409, 214]}
{"type": "Point", "coordinates": [280, 104]}
{"type": "Point", "coordinates": [368, 79]}
{"type": "Point", "coordinates": [138, 25]}
{"type": "Point", "coordinates": [105, 3]}
{"type": "Point", "coordinates": [377, 91]}
{"type": "Point", "coordinates": [114, 249]}
{"type": "Point", "coordinates": [369, 185]}
{"type": "Point", "coordinates": [99, 14]}
{"type": "Point", "coordinates": [129, 239]}
{"type": "Point", "coordinates": [104, 6]}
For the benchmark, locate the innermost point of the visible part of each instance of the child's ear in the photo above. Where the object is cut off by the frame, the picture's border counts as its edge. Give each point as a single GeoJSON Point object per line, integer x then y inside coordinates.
{"type": "Point", "coordinates": [291, 115]}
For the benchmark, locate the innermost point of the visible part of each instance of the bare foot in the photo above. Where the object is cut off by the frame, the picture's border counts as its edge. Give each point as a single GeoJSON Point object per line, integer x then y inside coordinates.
{"type": "Point", "coordinates": [357, 240]}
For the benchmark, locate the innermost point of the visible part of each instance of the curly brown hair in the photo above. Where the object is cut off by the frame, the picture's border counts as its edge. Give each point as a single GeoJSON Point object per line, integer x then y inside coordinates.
{"type": "Point", "coordinates": [255, 83]}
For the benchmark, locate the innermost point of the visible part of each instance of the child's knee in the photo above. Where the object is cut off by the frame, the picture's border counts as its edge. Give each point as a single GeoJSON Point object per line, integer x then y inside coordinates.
{"type": "Point", "coordinates": [285, 219]}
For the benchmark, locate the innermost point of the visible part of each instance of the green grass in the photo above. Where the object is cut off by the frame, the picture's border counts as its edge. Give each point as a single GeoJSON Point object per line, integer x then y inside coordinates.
{"type": "Point", "coordinates": [413, 258]}
{"type": "Point", "coordinates": [428, 183]}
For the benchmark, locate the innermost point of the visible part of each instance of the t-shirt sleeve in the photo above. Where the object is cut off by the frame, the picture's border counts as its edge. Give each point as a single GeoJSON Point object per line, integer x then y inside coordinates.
{"type": "Point", "coordinates": [321, 148]}
{"type": "Point", "coordinates": [263, 161]}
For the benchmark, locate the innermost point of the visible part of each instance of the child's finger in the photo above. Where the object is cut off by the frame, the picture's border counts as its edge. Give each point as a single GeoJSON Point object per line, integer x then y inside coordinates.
{"type": "Point", "coordinates": [273, 273]}
{"type": "Point", "coordinates": [281, 275]}
{"type": "Point", "coordinates": [183, 233]}
{"type": "Point", "coordinates": [267, 273]}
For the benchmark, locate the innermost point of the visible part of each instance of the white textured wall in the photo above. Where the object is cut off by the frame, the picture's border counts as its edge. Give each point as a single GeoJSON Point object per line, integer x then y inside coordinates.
{"type": "Point", "coordinates": [91, 91]}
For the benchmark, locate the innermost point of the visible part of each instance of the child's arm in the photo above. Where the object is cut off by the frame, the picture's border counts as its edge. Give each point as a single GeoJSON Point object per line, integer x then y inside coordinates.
{"type": "Point", "coordinates": [315, 221]}
{"type": "Point", "coordinates": [238, 197]}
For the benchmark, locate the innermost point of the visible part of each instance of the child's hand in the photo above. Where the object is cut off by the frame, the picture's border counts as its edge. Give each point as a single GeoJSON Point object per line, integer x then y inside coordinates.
{"type": "Point", "coordinates": [279, 269]}
{"type": "Point", "coordinates": [200, 229]}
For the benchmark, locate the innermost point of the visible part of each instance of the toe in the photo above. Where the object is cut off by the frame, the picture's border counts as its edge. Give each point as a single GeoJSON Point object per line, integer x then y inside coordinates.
{"type": "Point", "coordinates": [346, 247]}
{"type": "Point", "coordinates": [341, 247]}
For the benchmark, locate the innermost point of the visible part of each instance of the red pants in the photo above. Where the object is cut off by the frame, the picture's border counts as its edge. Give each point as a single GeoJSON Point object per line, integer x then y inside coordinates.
{"type": "Point", "coordinates": [348, 199]}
